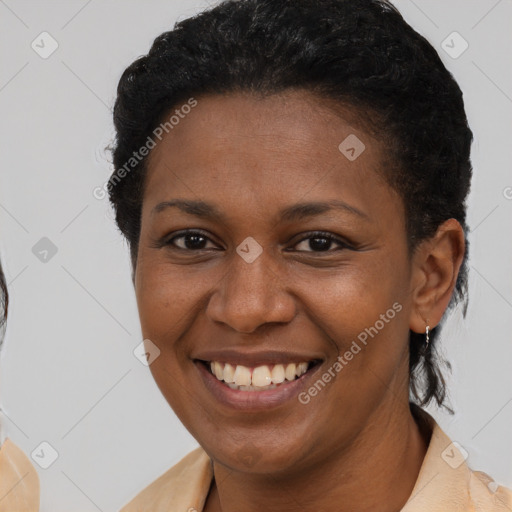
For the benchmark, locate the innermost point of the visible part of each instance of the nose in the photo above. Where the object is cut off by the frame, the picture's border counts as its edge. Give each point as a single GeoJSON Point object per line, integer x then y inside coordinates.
{"type": "Point", "coordinates": [250, 295]}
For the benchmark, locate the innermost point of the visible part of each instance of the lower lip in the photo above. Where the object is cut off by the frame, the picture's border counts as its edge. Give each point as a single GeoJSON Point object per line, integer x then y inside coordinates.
{"type": "Point", "coordinates": [254, 400]}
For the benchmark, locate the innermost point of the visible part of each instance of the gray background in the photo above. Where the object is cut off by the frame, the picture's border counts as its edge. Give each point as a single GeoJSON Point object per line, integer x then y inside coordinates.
{"type": "Point", "coordinates": [68, 375]}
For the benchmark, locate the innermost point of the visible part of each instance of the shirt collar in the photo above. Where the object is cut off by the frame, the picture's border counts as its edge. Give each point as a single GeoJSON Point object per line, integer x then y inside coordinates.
{"type": "Point", "coordinates": [445, 483]}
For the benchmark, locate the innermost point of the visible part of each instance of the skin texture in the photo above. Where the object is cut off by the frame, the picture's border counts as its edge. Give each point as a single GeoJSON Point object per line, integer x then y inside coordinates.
{"type": "Point", "coordinates": [355, 446]}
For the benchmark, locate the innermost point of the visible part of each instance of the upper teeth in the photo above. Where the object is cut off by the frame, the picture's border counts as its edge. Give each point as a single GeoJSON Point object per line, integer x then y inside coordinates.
{"type": "Point", "coordinates": [261, 376]}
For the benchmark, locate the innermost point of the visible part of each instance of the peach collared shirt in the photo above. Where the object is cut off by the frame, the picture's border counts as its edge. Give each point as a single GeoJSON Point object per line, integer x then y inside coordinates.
{"type": "Point", "coordinates": [445, 483]}
{"type": "Point", "coordinates": [19, 481]}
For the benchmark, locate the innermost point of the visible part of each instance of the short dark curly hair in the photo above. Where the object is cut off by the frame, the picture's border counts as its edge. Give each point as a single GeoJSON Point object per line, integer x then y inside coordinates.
{"type": "Point", "coordinates": [359, 53]}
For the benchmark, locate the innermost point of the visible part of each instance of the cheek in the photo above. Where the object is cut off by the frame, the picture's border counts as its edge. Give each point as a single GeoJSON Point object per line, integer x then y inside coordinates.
{"type": "Point", "coordinates": [351, 298]}
{"type": "Point", "coordinates": [165, 299]}
{"type": "Point", "coordinates": [166, 303]}
{"type": "Point", "coordinates": [363, 310]}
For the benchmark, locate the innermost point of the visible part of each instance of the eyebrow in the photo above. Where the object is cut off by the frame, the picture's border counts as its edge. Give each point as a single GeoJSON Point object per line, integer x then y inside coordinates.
{"type": "Point", "coordinates": [295, 212]}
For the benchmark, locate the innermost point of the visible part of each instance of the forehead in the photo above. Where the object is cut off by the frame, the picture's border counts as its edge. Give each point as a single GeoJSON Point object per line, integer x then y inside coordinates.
{"type": "Point", "coordinates": [281, 148]}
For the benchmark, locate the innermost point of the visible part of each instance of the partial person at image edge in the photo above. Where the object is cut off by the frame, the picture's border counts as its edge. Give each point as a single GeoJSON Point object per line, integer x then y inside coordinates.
{"type": "Point", "coordinates": [19, 481]}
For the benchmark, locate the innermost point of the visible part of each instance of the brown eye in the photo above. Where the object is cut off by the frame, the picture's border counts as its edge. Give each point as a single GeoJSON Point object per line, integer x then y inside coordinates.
{"type": "Point", "coordinates": [190, 241]}
{"type": "Point", "coordinates": [322, 242]}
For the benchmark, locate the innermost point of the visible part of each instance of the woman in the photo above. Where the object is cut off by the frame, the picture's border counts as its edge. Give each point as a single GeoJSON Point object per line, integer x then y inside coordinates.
{"type": "Point", "coordinates": [291, 178]}
{"type": "Point", "coordinates": [19, 482]}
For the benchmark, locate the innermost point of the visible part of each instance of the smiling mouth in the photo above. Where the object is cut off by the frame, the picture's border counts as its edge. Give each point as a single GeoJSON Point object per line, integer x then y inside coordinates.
{"type": "Point", "coordinates": [259, 378]}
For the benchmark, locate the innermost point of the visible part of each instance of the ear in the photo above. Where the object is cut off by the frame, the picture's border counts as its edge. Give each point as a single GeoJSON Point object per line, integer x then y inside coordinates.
{"type": "Point", "coordinates": [436, 264]}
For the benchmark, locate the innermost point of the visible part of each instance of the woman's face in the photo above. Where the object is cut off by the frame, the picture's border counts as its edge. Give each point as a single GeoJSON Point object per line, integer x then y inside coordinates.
{"type": "Point", "coordinates": [253, 286]}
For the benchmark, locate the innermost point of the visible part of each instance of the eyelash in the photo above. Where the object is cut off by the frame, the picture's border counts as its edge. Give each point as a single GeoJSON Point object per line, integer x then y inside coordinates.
{"type": "Point", "coordinates": [314, 234]}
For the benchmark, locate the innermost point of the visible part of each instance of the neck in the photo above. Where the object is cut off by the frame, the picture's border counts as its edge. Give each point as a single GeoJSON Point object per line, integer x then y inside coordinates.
{"type": "Point", "coordinates": [377, 472]}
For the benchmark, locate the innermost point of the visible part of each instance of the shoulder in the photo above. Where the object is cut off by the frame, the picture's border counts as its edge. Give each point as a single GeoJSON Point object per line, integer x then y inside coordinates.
{"type": "Point", "coordinates": [485, 492]}
{"type": "Point", "coordinates": [447, 481]}
{"type": "Point", "coordinates": [19, 481]}
{"type": "Point", "coordinates": [183, 486]}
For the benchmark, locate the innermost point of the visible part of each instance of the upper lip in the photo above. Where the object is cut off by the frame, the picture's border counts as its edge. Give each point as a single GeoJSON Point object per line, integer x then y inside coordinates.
{"type": "Point", "coordinates": [256, 358]}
